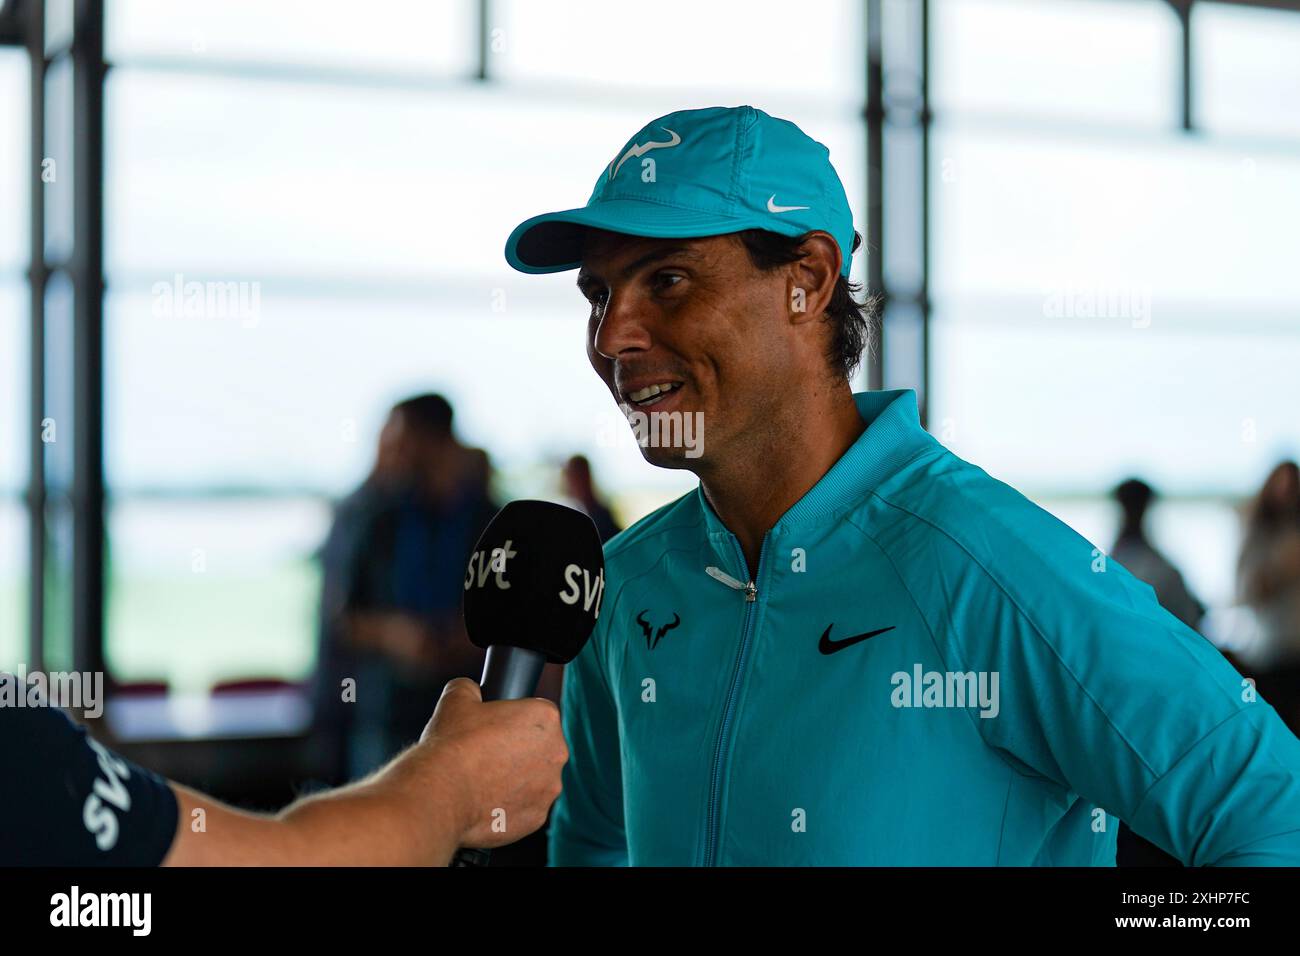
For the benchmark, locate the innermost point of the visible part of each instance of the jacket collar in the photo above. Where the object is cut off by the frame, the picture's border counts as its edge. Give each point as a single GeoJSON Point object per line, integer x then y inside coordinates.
{"type": "Point", "coordinates": [893, 437]}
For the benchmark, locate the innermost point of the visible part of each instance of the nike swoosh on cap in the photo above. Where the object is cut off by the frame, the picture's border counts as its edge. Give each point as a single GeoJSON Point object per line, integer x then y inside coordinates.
{"type": "Point", "coordinates": [772, 207]}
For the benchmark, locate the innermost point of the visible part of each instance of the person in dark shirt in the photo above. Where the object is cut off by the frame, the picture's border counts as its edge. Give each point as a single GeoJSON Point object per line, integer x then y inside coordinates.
{"type": "Point", "coordinates": [402, 610]}
{"type": "Point", "coordinates": [334, 727]}
{"type": "Point", "coordinates": [1134, 550]}
{"type": "Point", "coordinates": [66, 800]}
{"type": "Point", "coordinates": [581, 487]}
{"type": "Point", "coordinates": [1268, 581]}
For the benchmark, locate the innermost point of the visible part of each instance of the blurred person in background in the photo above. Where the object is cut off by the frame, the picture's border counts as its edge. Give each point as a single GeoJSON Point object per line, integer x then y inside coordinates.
{"type": "Point", "coordinates": [478, 484]}
{"type": "Point", "coordinates": [1134, 550]}
{"type": "Point", "coordinates": [333, 724]}
{"type": "Point", "coordinates": [394, 597]}
{"type": "Point", "coordinates": [1268, 581]}
{"type": "Point", "coordinates": [579, 486]}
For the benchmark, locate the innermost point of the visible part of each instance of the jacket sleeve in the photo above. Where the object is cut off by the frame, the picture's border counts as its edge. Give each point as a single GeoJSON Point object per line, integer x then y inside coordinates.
{"type": "Point", "coordinates": [587, 821]}
{"type": "Point", "coordinates": [1234, 800]}
{"type": "Point", "coordinates": [66, 800]}
{"type": "Point", "coordinates": [1114, 698]}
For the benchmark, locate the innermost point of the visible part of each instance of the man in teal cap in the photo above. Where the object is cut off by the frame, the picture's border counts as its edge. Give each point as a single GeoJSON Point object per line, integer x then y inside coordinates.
{"type": "Point", "coordinates": [848, 645]}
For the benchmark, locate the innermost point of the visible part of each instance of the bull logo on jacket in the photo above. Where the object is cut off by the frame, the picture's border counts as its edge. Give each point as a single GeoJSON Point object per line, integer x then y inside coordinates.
{"type": "Point", "coordinates": [654, 635]}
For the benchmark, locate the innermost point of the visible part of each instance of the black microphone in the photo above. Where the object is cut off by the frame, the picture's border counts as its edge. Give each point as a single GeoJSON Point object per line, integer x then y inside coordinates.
{"type": "Point", "coordinates": [532, 594]}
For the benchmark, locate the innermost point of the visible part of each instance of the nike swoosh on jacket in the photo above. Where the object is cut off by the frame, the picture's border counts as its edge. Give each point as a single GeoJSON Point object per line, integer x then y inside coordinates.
{"type": "Point", "coordinates": [736, 742]}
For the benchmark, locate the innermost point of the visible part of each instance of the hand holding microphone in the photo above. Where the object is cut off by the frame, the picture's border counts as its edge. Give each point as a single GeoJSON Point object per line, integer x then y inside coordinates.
{"type": "Point", "coordinates": [504, 758]}
{"type": "Point", "coordinates": [487, 767]}
{"type": "Point", "coordinates": [532, 594]}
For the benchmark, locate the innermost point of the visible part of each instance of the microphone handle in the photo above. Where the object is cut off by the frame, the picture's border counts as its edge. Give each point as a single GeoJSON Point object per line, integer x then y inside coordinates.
{"type": "Point", "coordinates": [509, 673]}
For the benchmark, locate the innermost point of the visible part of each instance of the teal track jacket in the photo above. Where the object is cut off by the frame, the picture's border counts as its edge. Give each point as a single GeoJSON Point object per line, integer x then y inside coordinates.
{"type": "Point", "coordinates": [928, 669]}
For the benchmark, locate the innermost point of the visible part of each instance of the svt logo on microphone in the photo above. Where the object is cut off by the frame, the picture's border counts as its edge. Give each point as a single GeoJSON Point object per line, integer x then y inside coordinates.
{"type": "Point", "coordinates": [489, 564]}
{"type": "Point", "coordinates": [494, 564]}
{"type": "Point", "coordinates": [590, 592]}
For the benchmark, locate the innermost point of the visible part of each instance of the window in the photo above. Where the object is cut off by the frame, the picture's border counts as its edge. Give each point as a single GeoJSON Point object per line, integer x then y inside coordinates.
{"type": "Point", "coordinates": [1109, 61]}
{"type": "Point", "coordinates": [1247, 70]}
{"type": "Point", "coordinates": [14, 353]}
{"type": "Point", "coordinates": [1115, 297]}
{"type": "Point", "coordinates": [349, 212]}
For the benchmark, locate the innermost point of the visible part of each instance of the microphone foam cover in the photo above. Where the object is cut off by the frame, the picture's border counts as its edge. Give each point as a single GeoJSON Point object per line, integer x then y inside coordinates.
{"type": "Point", "coordinates": [535, 580]}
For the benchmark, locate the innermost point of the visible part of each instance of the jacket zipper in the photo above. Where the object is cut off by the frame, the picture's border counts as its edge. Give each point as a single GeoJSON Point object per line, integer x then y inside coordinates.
{"type": "Point", "coordinates": [751, 597]}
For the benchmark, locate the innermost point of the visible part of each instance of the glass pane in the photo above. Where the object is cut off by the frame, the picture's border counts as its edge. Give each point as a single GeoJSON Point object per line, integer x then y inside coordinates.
{"type": "Point", "coordinates": [1193, 226]}
{"type": "Point", "coordinates": [253, 179]}
{"type": "Point", "coordinates": [205, 591]}
{"type": "Point", "coordinates": [411, 36]}
{"type": "Point", "coordinates": [296, 401]}
{"type": "Point", "coordinates": [226, 178]}
{"type": "Point", "coordinates": [902, 197]}
{"type": "Point", "coordinates": [1247, 64]}
{"type": "Point", "coordinates": [14, 383]}
{"type": "Point", "coordinates": [13, 583]}
{"type": "Point", "coordinates": [60, 150]}
{"type": "Point", "coordinates": [56, 417]}
{"type": "Point", "coordinates": [58, 584]}
{"type": "Point", "coordinates": [903, 354]}
{"type": "Point", "coordinates": [1112, 60]}
{"type": "Point", "coordinates": [706, 50]}
{"type": "Point", "coordinates": [15, 251]}
{"type": "Point", "coordinates": [60, 20]}
{"type": "Point", "coordinates": [15, 162]}
{"type": "Point", "coordinates": [1077, 404]}
{"type": "Point", "coordinates": [14, 437]}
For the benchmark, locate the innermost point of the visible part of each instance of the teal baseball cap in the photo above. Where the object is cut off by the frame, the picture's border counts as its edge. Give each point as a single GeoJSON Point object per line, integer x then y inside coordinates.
{"type": "Point", "coordinates": [695, 173]}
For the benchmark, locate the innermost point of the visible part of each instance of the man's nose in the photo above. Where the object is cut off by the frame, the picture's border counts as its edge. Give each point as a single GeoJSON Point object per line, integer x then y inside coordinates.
{"type": "Point", "coordinates": [622, 327]}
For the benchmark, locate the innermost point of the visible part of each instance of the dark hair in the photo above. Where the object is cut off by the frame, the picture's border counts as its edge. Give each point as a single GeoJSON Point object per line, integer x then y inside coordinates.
{"type": "Point", "coordinates": [1134, 497]}
{"type": "Point", "coordinates": [428, 414]}
{"type": "Point", "coordinates": [851, 333]}
{"type": "Point", "coordinates": [1276, 502]}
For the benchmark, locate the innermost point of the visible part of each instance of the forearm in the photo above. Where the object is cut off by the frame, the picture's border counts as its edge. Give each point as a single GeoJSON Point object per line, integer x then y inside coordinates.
{"type": "Point", "coordinates": [474, 762]}
{"type": "Point", "coordinates": [373, 824]}
{"type": "Point", "coordinates": [393, 818]}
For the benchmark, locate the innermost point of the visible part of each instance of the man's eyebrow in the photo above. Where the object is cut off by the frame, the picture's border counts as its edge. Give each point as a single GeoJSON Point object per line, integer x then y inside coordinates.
{"type": "Point", "coordinates": [585, 277]}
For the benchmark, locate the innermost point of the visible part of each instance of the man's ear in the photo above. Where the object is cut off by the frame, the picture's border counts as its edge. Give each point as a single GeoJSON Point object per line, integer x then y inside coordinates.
{"type": "Point", "coordinates": [812, 278]}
